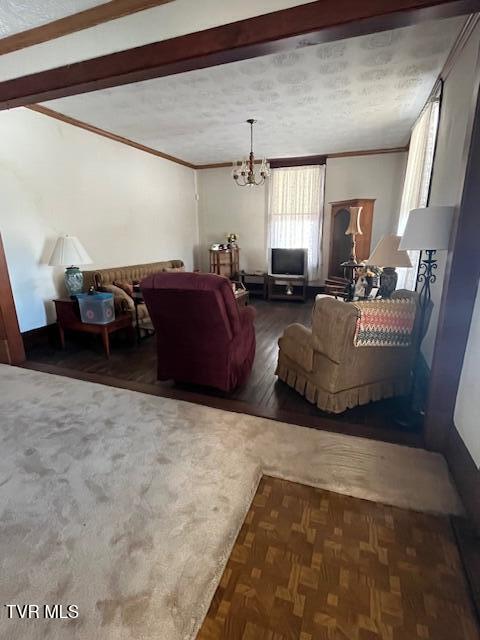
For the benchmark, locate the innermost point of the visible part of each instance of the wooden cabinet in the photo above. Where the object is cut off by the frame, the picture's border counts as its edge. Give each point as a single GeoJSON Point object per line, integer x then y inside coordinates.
{"type": "Point", "coordinates": [225, 262]}
{"type": "Point", "coordinates": [340, 244]}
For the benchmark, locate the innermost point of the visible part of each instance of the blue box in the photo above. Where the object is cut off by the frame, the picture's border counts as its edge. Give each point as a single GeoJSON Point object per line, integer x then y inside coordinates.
{"type": "Point", "coordinates": [96, 308]}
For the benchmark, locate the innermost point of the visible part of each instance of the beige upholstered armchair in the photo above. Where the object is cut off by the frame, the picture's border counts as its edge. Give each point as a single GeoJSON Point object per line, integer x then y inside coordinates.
{"type": "Point", "coordinates": [323, 364]}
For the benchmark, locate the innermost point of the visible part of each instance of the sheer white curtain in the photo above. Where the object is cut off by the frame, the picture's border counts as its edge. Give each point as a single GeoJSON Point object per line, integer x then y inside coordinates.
{"type": "Point", "coordinates": [417, 180]}
{"type": "Point", "coordinates": [295, 211]}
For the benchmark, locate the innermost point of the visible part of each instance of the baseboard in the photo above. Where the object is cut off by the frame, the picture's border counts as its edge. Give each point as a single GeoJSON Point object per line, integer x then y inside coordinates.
{"type": "Point", "coordinates": [465, 474]}
{"type": "Point", "coordinates": [47, 334]}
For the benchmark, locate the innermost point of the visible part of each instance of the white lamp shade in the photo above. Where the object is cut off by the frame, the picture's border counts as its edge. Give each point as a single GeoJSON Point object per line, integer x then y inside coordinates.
{"type": "Point", "coordinates": [68, 251]}
{"type": "Point", "coordinates": [387, 254]}
{"type": "Point", "coordinates": [428, 228]}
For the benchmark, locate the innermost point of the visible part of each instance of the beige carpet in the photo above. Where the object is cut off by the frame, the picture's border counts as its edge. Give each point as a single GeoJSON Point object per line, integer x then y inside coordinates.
{"type": "Point", "coordinates": [127, 505]}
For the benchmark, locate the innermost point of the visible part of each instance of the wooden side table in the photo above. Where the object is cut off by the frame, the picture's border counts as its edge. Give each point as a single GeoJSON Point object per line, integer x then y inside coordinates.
{"type": "Point", "coordinates": [68, 319]}
{"type": "Point", "coordinates": [147, 332]}
{"type": "Point", "coordinates": [225, 262]}
{"type": "Point", "coordinates": [241, 296]}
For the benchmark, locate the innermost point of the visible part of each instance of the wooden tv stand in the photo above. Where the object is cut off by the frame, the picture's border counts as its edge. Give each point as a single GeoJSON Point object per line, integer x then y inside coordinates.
{"type": "Point", "coordinates": [277, 287]}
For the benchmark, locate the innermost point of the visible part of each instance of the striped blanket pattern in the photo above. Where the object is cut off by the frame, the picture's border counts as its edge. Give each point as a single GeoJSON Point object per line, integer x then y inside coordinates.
{"type": "Point", "coordinates": [384, 323]}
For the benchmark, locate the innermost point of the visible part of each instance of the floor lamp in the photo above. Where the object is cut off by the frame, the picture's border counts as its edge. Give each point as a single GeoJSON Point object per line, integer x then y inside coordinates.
{"type": "Point", "coordinates": [428, 231]}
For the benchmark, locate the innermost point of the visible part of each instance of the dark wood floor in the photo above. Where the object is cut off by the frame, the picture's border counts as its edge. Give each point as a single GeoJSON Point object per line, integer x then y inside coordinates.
{"type": "Point", "coordinates": [134, 367]}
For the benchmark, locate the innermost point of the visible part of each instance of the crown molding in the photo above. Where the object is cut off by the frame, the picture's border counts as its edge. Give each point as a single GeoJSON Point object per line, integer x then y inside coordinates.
{"type": "Point", "coordinates": [313, 159]}
{"type": "Point", "coordinates": [75, 22]}
{"type": "Point", "coordinates": [293, 161]}
{"type": "Point", "coordinates": [368, 152]}
{"type": "Point", "coordinates": [106, 134]}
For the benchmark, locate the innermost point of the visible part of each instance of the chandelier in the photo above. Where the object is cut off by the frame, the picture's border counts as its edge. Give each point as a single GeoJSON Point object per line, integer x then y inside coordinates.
{"type": "Point", "coordinates": [244, 172]}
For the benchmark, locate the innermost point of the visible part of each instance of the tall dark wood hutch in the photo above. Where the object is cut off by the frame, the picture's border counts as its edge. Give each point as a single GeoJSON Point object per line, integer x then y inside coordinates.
{"type": "Point", "coordinates": [340, 244]}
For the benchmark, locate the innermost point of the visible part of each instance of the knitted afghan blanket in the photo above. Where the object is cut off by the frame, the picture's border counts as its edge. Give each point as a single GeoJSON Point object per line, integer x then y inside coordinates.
{"type": "Point", "coordinates": [384, 323]}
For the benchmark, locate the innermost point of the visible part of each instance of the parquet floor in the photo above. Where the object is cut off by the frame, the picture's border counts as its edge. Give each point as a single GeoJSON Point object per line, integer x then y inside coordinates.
{"type": "Point", "coordinates": [309, 564]}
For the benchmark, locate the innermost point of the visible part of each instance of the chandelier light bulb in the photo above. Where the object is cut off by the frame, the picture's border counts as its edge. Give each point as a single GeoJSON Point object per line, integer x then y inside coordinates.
{"type": "Point", "coordinates": [244, 173]}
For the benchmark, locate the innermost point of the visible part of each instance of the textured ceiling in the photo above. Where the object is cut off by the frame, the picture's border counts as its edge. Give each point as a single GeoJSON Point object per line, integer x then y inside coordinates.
{"type": "Point", "coordinates": [361, 93]}
{"type": "Point", "coordinates": [20, 15]}
{"type": "Point", "coordinates": [151, 25]}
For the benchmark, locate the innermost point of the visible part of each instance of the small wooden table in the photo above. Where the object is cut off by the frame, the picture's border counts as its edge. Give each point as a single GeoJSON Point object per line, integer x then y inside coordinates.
{"type": "Point", "coordinates": [137, 300]}
{"type": "Point", "coordinates": [242, 297]}
{"type": "Point", "coordinates": [68, 319]}
{"type": "Point", "coordinates": [225, 262]}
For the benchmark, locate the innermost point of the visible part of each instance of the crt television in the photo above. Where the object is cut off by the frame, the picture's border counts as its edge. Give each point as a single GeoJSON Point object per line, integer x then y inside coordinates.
{"type": "Point", "coordinates": [288, 262]}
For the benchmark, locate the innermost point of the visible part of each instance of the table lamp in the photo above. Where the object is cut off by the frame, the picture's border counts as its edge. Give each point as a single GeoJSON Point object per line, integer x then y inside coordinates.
{"type": "Point", "coordinates": [388, 256]}
{"type": "Point", "coordinates": [354, 229]}
{"type": "Point", "coordinates": [68, 251]}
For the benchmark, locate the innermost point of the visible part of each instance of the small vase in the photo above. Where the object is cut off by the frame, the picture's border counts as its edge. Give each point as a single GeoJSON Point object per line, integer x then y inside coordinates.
{"type": "Point", "coordinates": [388, 282]}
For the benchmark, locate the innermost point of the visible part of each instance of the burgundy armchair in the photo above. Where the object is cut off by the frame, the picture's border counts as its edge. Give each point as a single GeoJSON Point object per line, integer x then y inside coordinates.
{"type": "Point", "coordinates": [202, 336]}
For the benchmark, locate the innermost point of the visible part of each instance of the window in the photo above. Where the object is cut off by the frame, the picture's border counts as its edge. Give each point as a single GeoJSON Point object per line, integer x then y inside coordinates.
{"type": "Point", "coordinates": [417, 180]}
{"type": "Point", "coordinates": [295, 212]}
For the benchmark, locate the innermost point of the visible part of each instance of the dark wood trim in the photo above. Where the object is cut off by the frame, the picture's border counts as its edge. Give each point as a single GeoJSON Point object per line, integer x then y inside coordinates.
{"type": "Point", "coordinates": [11, 343]}
{"type": "Point", "coordinates": [367, 152]}
{"type": "Point", "coordinates": [300, 26]}
{"type": "Point", "coordinates": [216, 165]}
{"type": "Point", "coordinates": [105, 134]}
{"type": "Point", "coordinates": [466, 475]}
{"type": "Point", "coordinates": [308, 160]}
{"type": "Point", "coordinates": [236, 406]}
{"type": "Point", "coordinates": [219, 165]}
{"type": "Point", "coordinates": [76, 22]}
{"type": "Point", "coordinates": [278, 163]}
{"type": "Point", "coordinates": [274, 163]}
{"type": "Point", "coordinates": [468, 543]}
{"type": "Point", "coordinates": [462, 275]}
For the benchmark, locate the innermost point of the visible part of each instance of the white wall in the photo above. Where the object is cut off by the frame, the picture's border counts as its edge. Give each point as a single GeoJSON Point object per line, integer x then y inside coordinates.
{"type": "Point", "coordinates": [459, 86]}
{"type": "Point", "coordinates": [377, 176]}
{"type": "Point", "coordinates": [467, 408]}
{"type": "Point", "coordinates": [125, 206]}
{"type": "Point", "coordinates": [224, 207]}
{"type": "Point", "coordinates": [447, 177]}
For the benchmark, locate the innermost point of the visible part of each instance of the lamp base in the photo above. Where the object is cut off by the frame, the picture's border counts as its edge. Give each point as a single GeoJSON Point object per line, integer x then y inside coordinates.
{"type": "Point", "coordinates": [73, 281]}
{"type": "Point", "coordinates": [388, 282]}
